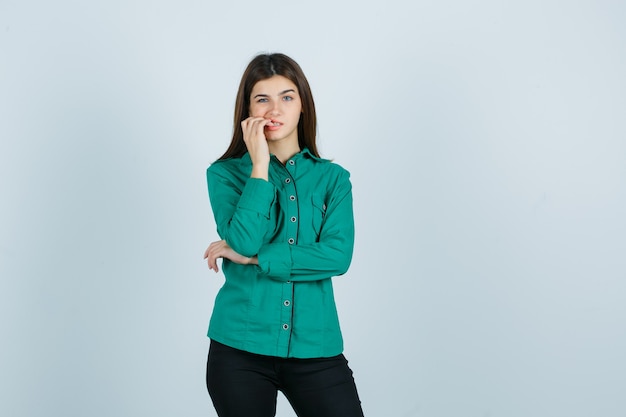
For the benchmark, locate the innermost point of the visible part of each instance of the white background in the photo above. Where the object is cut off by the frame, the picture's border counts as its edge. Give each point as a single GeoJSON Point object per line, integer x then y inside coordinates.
{"type": "Point", "coordinates": [486, 142]}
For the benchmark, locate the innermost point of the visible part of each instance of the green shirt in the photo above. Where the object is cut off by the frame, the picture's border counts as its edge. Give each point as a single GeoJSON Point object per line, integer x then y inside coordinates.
{"type": "Point", "coordinates": [301, 226]}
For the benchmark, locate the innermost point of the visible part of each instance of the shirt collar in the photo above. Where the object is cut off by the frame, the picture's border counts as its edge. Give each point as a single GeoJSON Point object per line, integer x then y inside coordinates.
{"type": "Point", "coordinates": [304, 153]}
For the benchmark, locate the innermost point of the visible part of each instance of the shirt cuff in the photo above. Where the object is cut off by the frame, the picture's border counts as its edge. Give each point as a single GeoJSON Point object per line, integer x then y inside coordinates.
{"type": "Point", "coordinates": [275, 261]}
{"type": "Point", "coordinates": [257, 195]}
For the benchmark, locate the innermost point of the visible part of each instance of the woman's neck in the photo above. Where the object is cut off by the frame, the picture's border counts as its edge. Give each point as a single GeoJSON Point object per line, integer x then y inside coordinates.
{"type": "Point", "coordinates": [284, 151]}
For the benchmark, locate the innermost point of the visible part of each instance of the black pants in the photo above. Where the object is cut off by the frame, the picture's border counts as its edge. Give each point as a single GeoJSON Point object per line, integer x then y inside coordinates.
{"type": "Point", "coordinates": [243, 384]}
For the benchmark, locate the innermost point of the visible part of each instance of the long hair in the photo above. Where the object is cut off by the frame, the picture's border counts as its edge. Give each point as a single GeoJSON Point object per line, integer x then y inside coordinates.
{"type": "Point", "coordinates": [262, 67]}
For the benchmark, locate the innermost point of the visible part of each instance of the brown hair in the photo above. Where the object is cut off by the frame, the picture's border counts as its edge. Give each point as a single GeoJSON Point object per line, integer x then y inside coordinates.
{"type": "Point", "coordinates": [262, 67]}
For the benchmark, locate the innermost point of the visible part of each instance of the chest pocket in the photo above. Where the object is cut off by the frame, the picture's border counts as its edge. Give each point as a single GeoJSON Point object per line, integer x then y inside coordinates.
{"type": "Point", "coordinates": [319, 212]}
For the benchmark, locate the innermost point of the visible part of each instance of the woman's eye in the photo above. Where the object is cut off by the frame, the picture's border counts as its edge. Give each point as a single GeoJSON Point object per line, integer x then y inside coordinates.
{"type": "Point", "coordinates": [262, 100]}
{"type": "Point", "coordinates": [287, 98]}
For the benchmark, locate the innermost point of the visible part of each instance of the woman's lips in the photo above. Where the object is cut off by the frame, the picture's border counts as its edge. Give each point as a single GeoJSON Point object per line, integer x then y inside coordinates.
{"type": "Point", "coordinates": [273, 125]}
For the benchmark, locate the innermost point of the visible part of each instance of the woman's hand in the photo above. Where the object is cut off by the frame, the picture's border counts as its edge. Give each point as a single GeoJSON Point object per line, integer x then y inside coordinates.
{"type": "Point", "coordinates": [256, 142]}
{"type": "Point", "coordinates": [220, 249]}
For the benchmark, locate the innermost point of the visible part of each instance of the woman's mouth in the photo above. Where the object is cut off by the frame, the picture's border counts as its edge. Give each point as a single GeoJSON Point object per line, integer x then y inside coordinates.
{"type": "Point", "coordinates": [273, 125]}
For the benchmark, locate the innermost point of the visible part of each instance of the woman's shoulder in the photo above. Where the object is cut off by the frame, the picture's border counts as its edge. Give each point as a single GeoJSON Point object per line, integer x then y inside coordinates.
{"type": "Point", "coordinates": [225, 166]}
{"type": "Point", "coordinates": [322, 163]}
{"type": "Point", "coordinates": [333, 168]}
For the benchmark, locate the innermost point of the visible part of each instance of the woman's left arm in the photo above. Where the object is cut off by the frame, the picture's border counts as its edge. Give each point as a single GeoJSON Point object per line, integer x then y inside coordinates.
{"type": "Point", "coordinates": [329, 256]}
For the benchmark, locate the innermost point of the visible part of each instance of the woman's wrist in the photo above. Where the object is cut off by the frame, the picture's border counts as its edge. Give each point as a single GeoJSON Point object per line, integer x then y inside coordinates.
{"type": "Point", "coordinates": [260, 171]}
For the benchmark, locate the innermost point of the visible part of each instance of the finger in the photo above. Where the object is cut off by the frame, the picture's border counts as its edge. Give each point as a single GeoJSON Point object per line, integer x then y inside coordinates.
{"type": "Point", "coordinates": [208, 251]}
{"type": "Point", "coordinates": [247, 123]}
{"type": "Point", "coordinates": [252, 134]}
{"type": "Point", "coordinates": [261, 126]}
{"type": "Point", "coordinates": [253, 121]}
{"type": "Point", "coordinates": [255, 128]}
{"type": "Point", "coordinates": [214, 251]}
{"type": "Point", "coordinates": [213, 265]}
{"type": "Point", "coordinates": [214, 254]}
{"type": "Point", "coordinates": [209, 261]}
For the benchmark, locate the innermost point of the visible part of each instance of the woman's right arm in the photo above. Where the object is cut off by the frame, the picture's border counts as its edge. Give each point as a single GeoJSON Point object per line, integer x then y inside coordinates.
{"type": "Point", "coordinates": [242, 213]}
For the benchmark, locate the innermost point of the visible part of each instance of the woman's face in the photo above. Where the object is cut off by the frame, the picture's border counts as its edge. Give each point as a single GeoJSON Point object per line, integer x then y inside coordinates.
{"type": "Point", "coordinates": [277, 100]}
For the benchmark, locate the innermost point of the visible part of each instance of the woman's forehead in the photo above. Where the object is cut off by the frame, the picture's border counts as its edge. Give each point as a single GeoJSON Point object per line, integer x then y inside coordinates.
{"type": "Point", "coordinates": [274, 85]}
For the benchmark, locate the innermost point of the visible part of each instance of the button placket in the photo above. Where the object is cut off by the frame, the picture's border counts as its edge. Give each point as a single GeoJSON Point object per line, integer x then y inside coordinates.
{"type": "Point", "coordinates": [286, 314]}
{"type": "Point", "coordinates": [291, 226]}
{"type": "Point", "coordinates": [283, 177]}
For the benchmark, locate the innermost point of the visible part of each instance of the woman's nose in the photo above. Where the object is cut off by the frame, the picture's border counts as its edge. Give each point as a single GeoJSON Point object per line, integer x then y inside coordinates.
{"type": "Point", "coordinates": [275, 109]}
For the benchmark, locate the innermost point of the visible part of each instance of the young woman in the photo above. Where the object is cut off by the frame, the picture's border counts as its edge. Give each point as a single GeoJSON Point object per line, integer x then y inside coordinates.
{"type": "Point", "coordinates": [285, 219]}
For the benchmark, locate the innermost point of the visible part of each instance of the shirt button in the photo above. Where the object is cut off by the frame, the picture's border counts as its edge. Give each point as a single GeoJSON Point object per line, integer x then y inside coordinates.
{"type": "Point", "coordinates": [291, 162]}
{"type": "Point", "coordinates": [285, 326]}
{"type": "Point", "coordinates": [293, 219]}
{"type": "Point", "coordinates": [291, 241]}
{"type": "Point", "coordinates": [288, 282]}
{"type": "Point", "coordinates": [287, 180]}
{"type": "Point", "coordinates": [292, 197]}
{"type": "Point", "coordinates": [287, 303]}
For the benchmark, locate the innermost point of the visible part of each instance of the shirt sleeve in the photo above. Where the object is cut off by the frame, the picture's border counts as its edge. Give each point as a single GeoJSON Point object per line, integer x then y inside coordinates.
{"type": "Point", "coordinates": [241, 213]}
{"type": "Point", "coordinates": [329, 256]}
